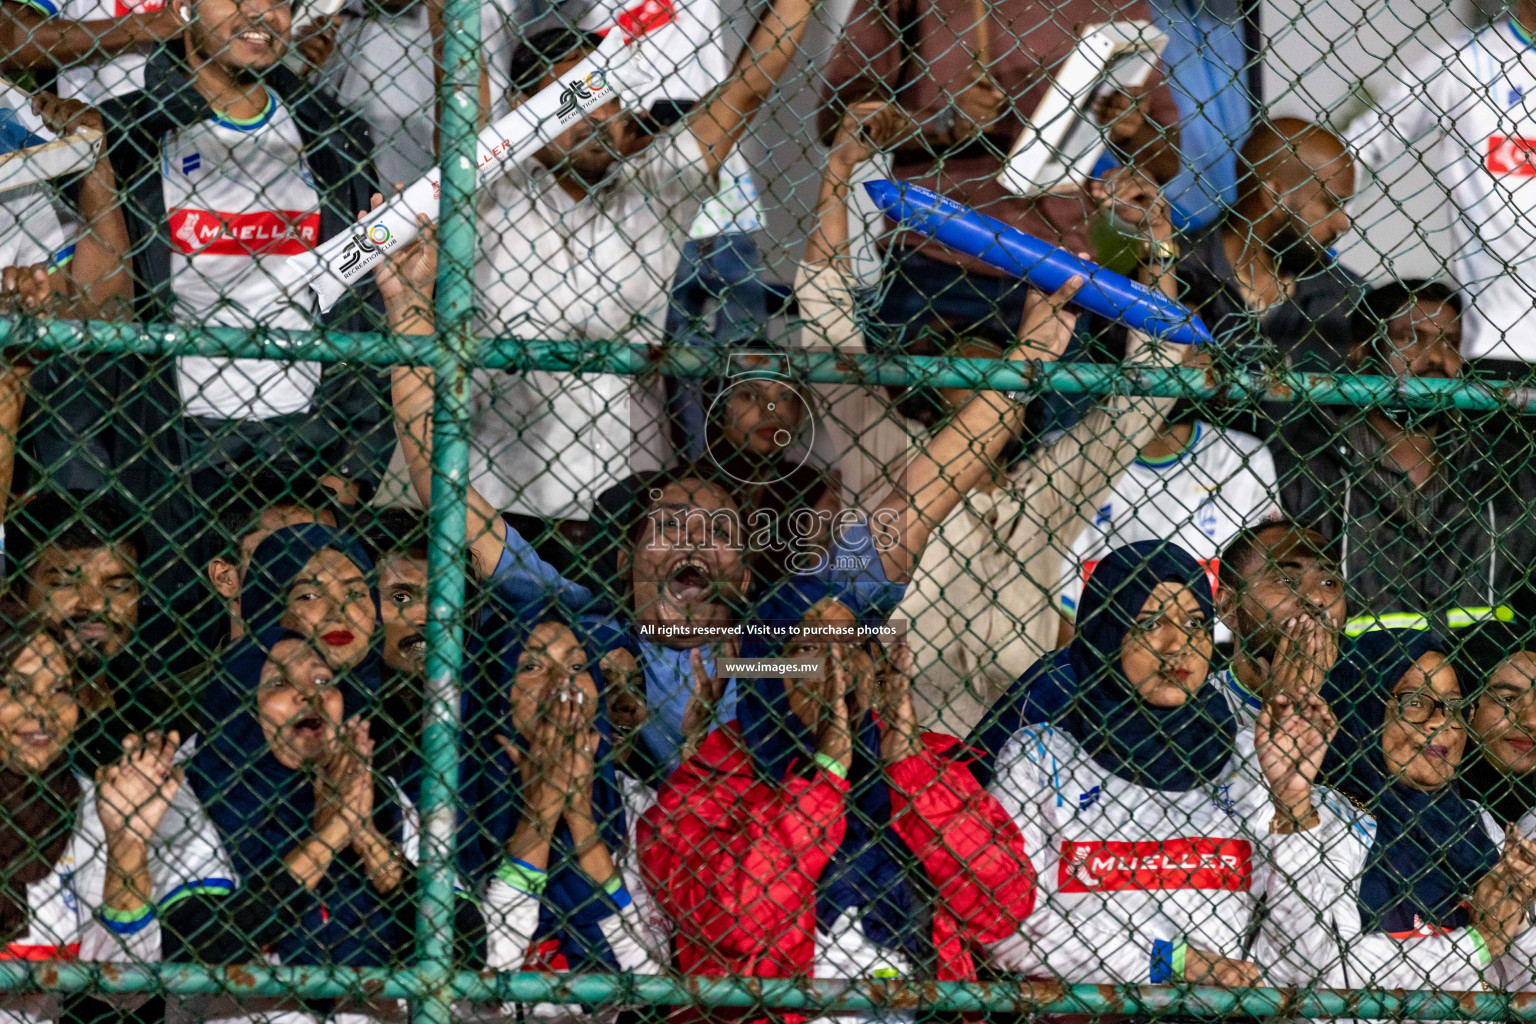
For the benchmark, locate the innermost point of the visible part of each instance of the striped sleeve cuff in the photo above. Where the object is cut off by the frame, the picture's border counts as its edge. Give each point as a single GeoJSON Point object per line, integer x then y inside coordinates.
{"type": "Point", "coordinates": [45, 6]}
{"type": "Point", "coordinates": [522, 876]}
{"type": "Point", "coordinates": [614, 887]}
{"type": "Point", "coordinates": [127, 922]}
{"type": "Point", "coordinates": [200, 887]}
{"type": "Point", "coordinates": [1484, 958]}
{"type": "Point", "coordinates": [1167, 961]}
{"type": "Point", "coordinates": [831, 765]}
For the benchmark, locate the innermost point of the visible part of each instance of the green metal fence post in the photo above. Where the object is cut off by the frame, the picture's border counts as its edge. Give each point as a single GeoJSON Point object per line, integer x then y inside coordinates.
{"type": "Point", "coordinates": [458, 102]}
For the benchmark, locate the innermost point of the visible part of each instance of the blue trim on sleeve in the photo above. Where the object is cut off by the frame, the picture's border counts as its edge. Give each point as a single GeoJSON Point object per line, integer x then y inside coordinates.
{"type": "Point", "coordinates": [1162, 962]}
{"type": "Point", "coordinates": [127, 922]}
{"type": "Point", "coordinates": [197, 887]}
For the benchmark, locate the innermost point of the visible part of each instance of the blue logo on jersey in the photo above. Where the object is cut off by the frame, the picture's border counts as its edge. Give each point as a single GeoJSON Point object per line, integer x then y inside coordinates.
{"type": "Point", "coordinates": [1223, 798]}
{"type": "Point", "coordinates": [1205, 516]}
{"type": "Point", "coordinates": [67, 891]}
{"type": "Point", "coordinates": [1105, 515]}
{"type": "Point", "coordinates": [304, 175]}
{"type": "Point", "coordinates": [1516, 95]}
{"type": "Point", "coordinates": [191, 163]}
{"type": "Point", "coordinates": [1088, 799]}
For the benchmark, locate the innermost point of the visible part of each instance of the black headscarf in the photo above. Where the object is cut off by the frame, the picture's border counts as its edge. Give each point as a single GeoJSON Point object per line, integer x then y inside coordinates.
{"type": "Point", "coordinates": [1431, 847]}
{"type": "Point", "coordinates": [1084, 690]}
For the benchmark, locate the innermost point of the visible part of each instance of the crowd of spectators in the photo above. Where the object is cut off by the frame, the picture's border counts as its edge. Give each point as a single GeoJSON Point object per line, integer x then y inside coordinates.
{"type": "Point", "coordinates": [761, 677]}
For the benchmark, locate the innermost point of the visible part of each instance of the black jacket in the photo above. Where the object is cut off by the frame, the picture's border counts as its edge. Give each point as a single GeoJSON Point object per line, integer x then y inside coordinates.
{"type": "Point", "coordinates": [1467, 540]}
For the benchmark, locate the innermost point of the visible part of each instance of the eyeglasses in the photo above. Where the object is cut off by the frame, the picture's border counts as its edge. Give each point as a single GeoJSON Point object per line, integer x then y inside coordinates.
{"type": "Point", "coordinates": [1418, 708]}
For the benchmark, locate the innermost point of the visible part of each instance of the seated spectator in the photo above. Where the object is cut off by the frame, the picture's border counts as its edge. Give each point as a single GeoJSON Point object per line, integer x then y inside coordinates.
{"type": "Point", "coordinates": [399, 546]}
{"type": "Point", "coordinates": [1280, 593]}
{"type": "Point", "coordinates": [78, 557]}
{"type": "Point", "coordinates": [823, 834]}
{"type": "Point", "coordinates": [256, 511]}
{"type": "Point", "coordinates": [567, 895]}
{"type": "Point", "coordinates": [194, 204]}
{"type": "Point", "coordinates": [1265, 273]}
{"type": "Point", "coordinates": [1433, 520]}
{"type": "Point", "coordinates": [1394, 879]}
{"type": "Point", "coordinates": [980, 607]}
{"type": "Point", "coordinates": [583, 241]}
{"type": "Point", "coordinates": [87, 866]}
{"type": "Point", "coordinates": [967, 79]}
{"type": "Point", "coordinates": [1118, 743]}
{"type": "Point", "coordinates": [683, 556]}
{"type": "Point", "coordinates": [323, 850]}
{"type": "Point", "coordinates": [1497, 664]}
{"type": "Point", "coordinates": [316, 581]}
{"type": "Point", "coordinates": [1194, 484]}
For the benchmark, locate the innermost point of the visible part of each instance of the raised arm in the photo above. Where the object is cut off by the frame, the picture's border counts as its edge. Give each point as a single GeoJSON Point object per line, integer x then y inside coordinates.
{"type": "Point", "coordinates": [956, 460]}
{"type": "Point", "coordinates": [36, 40]}
{"type": "Point", "coordinates": [719, 121]}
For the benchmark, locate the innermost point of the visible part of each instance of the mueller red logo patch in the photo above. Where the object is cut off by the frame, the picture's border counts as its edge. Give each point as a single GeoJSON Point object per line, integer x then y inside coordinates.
{"type": "Point", "coordinates": [122, 10]}
{"type": "Point", "coordinates": [1199, 863]}
{"type": "Point", "coordinates": [645, 16]}
{"type": "Point", "coordinates": [270, 232]}
{"type": "Point", "coordinates": [1512, 154]}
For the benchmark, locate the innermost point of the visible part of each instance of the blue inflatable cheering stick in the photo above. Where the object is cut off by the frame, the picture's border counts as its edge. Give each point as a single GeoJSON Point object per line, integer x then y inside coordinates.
{"type": "Point", "coordinates": [1042, 264]}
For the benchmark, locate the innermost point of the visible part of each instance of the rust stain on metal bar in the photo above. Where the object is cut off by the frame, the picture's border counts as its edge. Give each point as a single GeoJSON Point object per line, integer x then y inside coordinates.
{"type": "Point", "coordinates": [239, 976]}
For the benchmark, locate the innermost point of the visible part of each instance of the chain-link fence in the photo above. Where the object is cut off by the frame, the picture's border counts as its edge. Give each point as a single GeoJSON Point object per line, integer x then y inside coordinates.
{"type": "Point", "coordinates": [789, 512]}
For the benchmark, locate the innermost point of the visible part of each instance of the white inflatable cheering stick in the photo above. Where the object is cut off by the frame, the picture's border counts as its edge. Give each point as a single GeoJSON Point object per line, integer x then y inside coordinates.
{"type": "Point", "coordinates": [343, 260]}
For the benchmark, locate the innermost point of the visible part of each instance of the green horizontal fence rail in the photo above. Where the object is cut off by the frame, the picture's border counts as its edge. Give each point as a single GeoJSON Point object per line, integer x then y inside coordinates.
{"type": "Point", "coordinates": [822, 996]}
{"type": "Point", "coordinates": [816, 367]}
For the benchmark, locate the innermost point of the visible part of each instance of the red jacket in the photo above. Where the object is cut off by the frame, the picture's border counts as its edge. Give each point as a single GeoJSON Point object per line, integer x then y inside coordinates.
{"type": "Point", "coordinates": [734, 861]}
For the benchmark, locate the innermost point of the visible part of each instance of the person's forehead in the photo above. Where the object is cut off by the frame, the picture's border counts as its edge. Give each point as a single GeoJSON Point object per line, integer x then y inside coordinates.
{"type": "Point", "coordinates": [400, 568]}
{"type": "Point", "coordinates": [332, 563]}
{"type": "Point", "coordinates": [108, 559]}
{"type": "Point", "coordinates": [1519, 669]}
{"type": "Point", "coordinates": [552, 638]}
{"type": "Point", "coordinates": [1277, 548]}
{"type": "Point", "coordinates": [682, 495]}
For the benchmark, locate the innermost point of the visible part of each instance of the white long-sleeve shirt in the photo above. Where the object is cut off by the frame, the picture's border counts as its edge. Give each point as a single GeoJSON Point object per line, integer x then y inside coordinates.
{"type": "Point", "coordinates": [1468, 114]}
{"type": "Point", "coordinates": [1129, 877]}
{"type": "Point", "coordinates": [1312, 934]}
{"type": "Point", "coordinates": [66, 919]}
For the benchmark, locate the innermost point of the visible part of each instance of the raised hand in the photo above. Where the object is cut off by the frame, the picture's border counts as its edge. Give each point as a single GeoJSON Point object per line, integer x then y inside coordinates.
{"type": "Point", "coordinates": [707, 691]}
{"type": "Point", "coordinates": [1046, 329]}
{"type": "Point", "coordinates": [834, 739]}
{"type": "Point", "coordinates": [134, 792]}
{"type": "Point", "coordinates": [1291, 738]}
{"type": "Point", "coordinates": [900, 737]}
{"type": "Point", "coordinates": [1501, 901]}
{"type": "Point", "coordinates": [344, 784]}
{"type": "Point", "coordinates": [406, 276]}
{"type": "Point", "coordinates": [866, 129]}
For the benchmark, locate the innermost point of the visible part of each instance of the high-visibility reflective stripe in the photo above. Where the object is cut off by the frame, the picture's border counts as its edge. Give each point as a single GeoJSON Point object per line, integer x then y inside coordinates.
{"type": "Point", "coordinates": [1460, 618]}
{"type": "Point", "coordinates": [1392, 620]}
{"type": "Point", "coordinates": [1456, 618]}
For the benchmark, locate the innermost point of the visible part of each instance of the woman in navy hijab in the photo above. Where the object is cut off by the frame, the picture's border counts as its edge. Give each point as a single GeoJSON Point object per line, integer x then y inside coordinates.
{"type": "Point", "coordinates": [1123, 766]}
{"type": "Point", "coordinates": [322, 849]}
{"type": "Point", "coordinates": [1394, 879]}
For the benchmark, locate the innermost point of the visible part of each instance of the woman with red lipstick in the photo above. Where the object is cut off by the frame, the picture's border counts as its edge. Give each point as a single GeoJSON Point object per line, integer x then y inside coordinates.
{"type": "Point", "coordinates": [1124, 767]}
{"type": "Point", "coordinates": [1497, 663]}
{"type": "Point", "coordinates": [1394, 877]}
{"type": "Point", "coordinates": [318, 582]}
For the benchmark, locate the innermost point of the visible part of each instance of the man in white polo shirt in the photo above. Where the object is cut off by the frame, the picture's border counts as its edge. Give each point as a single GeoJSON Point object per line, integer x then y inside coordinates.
{"type": "Point", "coordinates": [1468, 113]}
{"type": "Point", "coordinates": [582, 242]}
